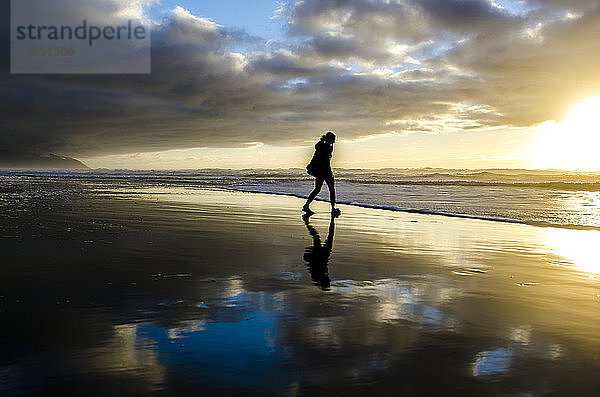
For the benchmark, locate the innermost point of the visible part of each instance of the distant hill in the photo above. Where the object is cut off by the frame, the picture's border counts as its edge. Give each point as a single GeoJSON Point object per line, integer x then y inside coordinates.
{"type": "Point", "coordinates": [16, 160]}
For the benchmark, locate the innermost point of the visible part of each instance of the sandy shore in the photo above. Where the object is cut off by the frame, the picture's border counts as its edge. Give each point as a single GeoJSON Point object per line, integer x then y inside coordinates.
{"type": "Point", "coordinates": [186, 291]}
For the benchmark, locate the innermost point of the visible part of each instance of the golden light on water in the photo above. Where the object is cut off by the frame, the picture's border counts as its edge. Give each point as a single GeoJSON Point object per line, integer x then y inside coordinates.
{"type": "Point", "coordinates": [579, 247]}
{"type": "Point", "coordinates": [573, 143]}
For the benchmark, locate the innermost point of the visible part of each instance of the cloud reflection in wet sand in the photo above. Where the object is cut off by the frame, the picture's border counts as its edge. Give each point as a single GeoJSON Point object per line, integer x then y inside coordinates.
{"type": "Point", "coordinates": [196, 297]}
{"type": "Point", "coordinates": [264, 330]}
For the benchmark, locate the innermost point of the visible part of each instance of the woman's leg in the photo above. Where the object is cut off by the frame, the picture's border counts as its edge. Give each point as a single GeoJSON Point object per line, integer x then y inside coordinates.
{"type": "Point", "coordinates": [318, 185]}
{"type": "Point", "coordinates": [330, 185]}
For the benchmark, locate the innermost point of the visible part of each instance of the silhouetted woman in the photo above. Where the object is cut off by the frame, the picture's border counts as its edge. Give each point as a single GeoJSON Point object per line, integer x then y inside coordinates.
{"type": "Point", "coordinates": [320, 168]}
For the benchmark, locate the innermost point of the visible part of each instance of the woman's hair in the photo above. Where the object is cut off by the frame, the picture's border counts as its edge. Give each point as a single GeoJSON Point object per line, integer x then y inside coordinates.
{"type": "Point", "coordinates": [329, 135]}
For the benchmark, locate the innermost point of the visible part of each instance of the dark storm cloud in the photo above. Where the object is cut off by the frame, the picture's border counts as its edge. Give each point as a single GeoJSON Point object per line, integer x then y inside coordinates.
{"type": "Point", "coordinates": [359, 67]}
{"type": "Point", "coordinates": [411, 20]}
{"type": "Point", "coordinates": [285, 64]}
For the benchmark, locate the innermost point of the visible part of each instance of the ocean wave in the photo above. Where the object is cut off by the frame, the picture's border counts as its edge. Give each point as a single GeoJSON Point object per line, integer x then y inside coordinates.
{"type": "Point", "coordinates": [421, 177]}
{"type": "Point", "coordinates": [584, 186]}
{"type": "Point", "coordinates": [516, 196]}
{"type": "Point", "coordinates": [428, 211]}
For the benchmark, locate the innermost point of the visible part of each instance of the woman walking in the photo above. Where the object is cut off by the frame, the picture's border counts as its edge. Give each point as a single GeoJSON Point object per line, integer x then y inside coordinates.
{"type": "Point", "coordinates": [320, 168]}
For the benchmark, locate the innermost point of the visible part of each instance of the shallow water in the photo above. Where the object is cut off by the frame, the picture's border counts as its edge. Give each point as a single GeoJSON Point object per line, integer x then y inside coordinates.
{"type": "Point", "coordinates": [109, 289]}
{"type": "Point", "coordinates": [538, 197]}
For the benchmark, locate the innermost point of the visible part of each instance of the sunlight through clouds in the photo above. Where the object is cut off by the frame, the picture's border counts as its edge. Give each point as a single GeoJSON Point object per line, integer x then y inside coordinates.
{"type": "Point", "coordinates": [572, 143]}
{"type": "Point", "coordinates": [360, 68]}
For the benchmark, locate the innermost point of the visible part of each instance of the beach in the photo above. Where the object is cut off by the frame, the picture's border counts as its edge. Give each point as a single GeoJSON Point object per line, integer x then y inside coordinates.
{"type": "Point", "coordinates": [173, 290]}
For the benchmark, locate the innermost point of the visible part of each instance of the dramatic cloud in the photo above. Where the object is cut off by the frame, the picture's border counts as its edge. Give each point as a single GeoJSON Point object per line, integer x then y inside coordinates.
{"type": "Point", "coordinates": [358, 67]}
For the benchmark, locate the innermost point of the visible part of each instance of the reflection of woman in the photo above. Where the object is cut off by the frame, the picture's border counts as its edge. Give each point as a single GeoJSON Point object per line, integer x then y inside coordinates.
{"type": "Point", "coordinates": [320, 168]}
{"type": "Point", "coordinates": [318, 254]}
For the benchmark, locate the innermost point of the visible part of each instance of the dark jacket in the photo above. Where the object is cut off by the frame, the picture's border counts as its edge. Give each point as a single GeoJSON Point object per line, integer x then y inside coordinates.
{"type": "Point", "coordinates": [320, 164]}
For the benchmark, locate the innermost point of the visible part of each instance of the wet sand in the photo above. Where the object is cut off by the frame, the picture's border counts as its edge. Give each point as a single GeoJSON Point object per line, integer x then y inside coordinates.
{"type": "Point", "coordinates": [111, 290]}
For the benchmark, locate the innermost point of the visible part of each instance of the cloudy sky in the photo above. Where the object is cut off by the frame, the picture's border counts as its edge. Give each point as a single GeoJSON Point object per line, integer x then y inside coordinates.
{"type": "Point", "coordinates": [240, 83]}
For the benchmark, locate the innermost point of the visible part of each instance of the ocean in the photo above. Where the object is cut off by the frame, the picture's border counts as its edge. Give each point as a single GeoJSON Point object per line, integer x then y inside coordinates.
{"type": "Point", "coordinates": [539, 197]}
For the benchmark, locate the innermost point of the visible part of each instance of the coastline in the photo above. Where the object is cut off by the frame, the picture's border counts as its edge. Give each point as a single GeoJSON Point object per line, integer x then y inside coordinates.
{"type": "Point", "coordinates": [426, 212]}
{"type": "Point", "coordinates": [534, 198]}
{"type": "Point", "coordinates": [180, 290]}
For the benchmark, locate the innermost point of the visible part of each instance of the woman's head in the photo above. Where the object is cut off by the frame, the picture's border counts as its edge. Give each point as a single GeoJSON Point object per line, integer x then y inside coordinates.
{"type": "Point", "coordinates": [328, 137]}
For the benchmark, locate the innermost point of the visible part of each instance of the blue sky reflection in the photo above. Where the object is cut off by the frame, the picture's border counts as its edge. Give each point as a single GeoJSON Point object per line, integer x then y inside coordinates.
{"type": "Point", "coordinates": [238, 351]}
{"type": "Point", "coordinates": [491, 362]}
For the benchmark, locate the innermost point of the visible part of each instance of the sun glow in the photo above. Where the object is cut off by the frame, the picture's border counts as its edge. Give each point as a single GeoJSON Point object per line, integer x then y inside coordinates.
{"type": "Point", "coordinates": [577, 247]}
{"type": "Point", "coordinates": [573, 143]}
